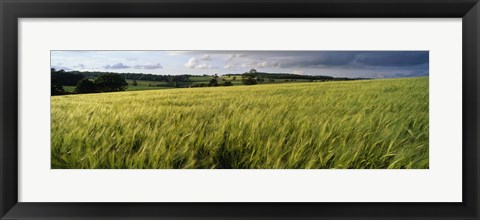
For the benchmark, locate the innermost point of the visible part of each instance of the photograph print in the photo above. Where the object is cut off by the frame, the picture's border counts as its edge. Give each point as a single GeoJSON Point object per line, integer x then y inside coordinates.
{"type": "Point", "coordinates": [225, 109]}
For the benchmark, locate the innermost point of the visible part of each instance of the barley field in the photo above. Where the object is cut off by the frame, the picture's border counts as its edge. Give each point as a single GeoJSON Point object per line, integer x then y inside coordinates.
{"type": "Point", "coordinates": [365, 124]}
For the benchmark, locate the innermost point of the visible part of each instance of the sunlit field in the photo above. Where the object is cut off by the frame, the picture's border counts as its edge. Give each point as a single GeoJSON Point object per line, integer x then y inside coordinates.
{"type": "Point", "coordinates": [365, 124]}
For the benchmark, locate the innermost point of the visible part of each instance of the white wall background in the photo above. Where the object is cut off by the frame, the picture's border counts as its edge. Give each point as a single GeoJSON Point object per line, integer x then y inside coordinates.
{"type": "Point", "coordinates": [441, 183]}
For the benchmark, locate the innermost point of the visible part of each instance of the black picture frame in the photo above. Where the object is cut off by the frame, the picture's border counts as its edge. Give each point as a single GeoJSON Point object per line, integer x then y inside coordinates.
{"type": "Point", "coordinates": [12, 10]}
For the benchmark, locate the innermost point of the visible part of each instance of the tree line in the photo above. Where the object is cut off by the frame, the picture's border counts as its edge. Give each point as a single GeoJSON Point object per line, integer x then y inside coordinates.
{"type": "Point", "coordinates": [213, 82]}
{"type": "Point", "coordinates": [138, 76]}
{"type": "Point", "coordinates": [253, 77]}
{"type": "Point", "coordinates": [93, 82]}
{"type": "Point", "coordinates": [108, 82]}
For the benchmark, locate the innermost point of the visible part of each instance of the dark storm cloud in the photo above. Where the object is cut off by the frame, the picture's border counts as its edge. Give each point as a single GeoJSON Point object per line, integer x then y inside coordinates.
{"type": "Point", "coordinates": [350, 59]}
{"type": "Point", "coordinates": [319, 59]}
{"type": "Point", "coordinates": [315, 59]}
{"type": "Point", "coordinates": [395, 59]}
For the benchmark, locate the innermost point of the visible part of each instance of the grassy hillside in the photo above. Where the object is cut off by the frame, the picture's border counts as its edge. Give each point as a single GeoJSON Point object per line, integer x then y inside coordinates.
{"type": "Point", "coordinates": [350, 124]}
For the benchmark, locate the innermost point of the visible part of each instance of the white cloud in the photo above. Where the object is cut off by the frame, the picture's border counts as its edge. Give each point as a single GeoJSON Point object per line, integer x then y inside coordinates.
{"type": "Point", "coordinates": [236, 55]}
{"type": "Point", "coordinates": [116, 66]}
{"type": "Point", "coordinates": [194, 64]}
{"type": "Point", "coordinates": [232, 57]}
{"type": "Point", "coordinates": [204, 66]}
{"type": "Point", "coordinates": [80, 66]}
{"type": "Point", "coordinates": [230, 66]}
{"type": "Point", "coordinates": [262, 64]}
{"type": "Point", "coordinates": [206, 57]}
{"type": "Point", "coordinates": [179, 52]}
{"type": "Point", "coordinates": [149, 66]}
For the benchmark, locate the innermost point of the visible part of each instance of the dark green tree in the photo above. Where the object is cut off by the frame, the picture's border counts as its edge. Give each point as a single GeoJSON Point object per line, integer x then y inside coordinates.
{"type": "Point", "coordinates": [249, 81]}
{"type": "Point", "coordinates": [260, 79]}
{"type": "Point", "coordinates": [66, 78]}
{"type": "Point", "coordinates": [227, 83]}
{"type": "Point", "coordinates": [55, 83]}
{"type": "Point", "coordinates": [248, 78]}
{"type": "Point", "coordinates": [57, 89]}
{"type": "Point", "coordinates": [252, 74]}
{"type": "Point", "coordinates": [134, 83]}
{"type": "Point", "coordinates": [86, 86]}
{"type": "Point", "coordinates": [213, 82]}
{"type": "Point", "coordinates": [111, 82]}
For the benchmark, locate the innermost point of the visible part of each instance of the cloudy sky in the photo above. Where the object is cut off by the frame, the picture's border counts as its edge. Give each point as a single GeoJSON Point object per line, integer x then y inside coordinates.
{"type": "Point", "coordinates": [370, 64]}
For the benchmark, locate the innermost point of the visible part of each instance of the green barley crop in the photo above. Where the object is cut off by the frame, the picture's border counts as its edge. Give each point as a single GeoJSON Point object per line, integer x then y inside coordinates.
{"type": "Point", "coordinates": [368, 124]}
